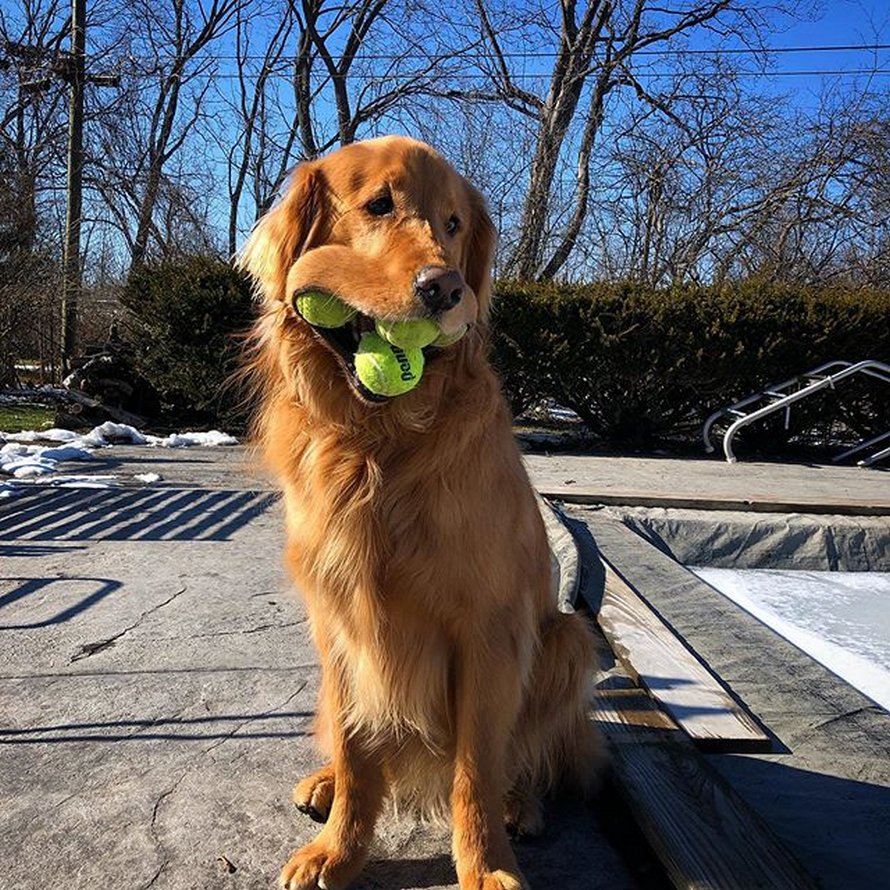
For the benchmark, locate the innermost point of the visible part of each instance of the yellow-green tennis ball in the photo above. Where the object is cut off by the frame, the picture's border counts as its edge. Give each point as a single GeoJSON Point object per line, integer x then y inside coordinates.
{"type": "Point", "coordinates": [413, 334]}
{"type": "Point", "coordinates": [386, 369]}
{"type": "Point", "coordinates": [323, 310]}
{"type": "Point", "coordinates": [444, 340]}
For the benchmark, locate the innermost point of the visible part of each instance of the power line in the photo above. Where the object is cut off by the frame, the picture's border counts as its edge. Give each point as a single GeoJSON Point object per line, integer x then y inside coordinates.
{"type": "Point", "coordinates": [756, 75]}
{"type": "Point", "coordinates": [282, 65]}
{"type": "Point", "coordinates": [552, 54]}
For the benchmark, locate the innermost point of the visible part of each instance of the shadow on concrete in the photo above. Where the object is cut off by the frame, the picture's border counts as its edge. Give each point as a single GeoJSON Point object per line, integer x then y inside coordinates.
{"type": "Point", "coordinates": [30, 551]}
{"type": "Point", "coordinates": [28, 586]}
{"type": "Point", "coordinates": [407, 874]}
{"type": "Point", "coordinates": [159, 728]}
{"type": "Point", "coordinates": [83, 675]}
{"type": "Point", "coordinates": [166, 514]}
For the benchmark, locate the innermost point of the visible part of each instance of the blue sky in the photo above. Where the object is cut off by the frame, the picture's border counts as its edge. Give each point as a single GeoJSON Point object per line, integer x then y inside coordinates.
{"type": "Point", "coordinates": [833, 23]}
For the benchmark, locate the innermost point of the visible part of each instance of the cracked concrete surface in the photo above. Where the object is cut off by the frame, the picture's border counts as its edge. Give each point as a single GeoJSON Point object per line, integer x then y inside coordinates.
{"type": "Point", "coordinates": [157, 687]}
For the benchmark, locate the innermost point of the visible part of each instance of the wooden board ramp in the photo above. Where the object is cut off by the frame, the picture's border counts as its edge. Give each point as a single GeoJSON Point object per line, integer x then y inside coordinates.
{"type": "Point", "coordinates": [653, 655]}
{"type": "Point", "coordinates": [657, 659]}
{"type": "Point", "coordinates": [703, 833]}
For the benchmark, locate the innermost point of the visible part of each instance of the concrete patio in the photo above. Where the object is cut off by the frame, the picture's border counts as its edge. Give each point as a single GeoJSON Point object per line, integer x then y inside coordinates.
{"type": "Point", "coordinates": [158, 683]}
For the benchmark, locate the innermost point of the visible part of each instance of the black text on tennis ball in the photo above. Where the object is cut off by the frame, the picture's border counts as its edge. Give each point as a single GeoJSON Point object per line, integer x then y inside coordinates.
{"type": "Point", "coordinates": [385, 369]}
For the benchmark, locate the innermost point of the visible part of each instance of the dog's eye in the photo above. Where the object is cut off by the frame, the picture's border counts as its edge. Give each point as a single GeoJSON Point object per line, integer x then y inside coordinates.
{"type": "Point", "coordinates": [380, 206]}
{"type": "Point", "coordinates": [452, 225]}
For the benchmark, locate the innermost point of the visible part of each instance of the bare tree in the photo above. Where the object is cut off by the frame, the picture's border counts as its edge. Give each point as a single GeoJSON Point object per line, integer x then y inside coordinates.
{"type": "Point", "coordinates": [32, 113]}
{"type": "Point", "coordinates": [607, 149]}
{"type": "Point", "coordinates": [171, 62]}
{"type": "Point", "coordinates": [387, 54]}
{"type": "Point", "coordinates": [249, 104]}
{"type": "Point", "coordinates": [600, 47]}
{"type": "Point", "coordinates": [368, 61]}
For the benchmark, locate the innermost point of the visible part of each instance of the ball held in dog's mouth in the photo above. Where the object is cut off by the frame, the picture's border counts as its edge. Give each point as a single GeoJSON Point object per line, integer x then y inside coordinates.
{"type": "Point", "coordinates": [382, 358]}
{"type": "Point", "coordinates": [412, 334]}
{"type": "Point", "coordinates": [386, 369]}
{"type": "Point", "coordinates": [323, 310]}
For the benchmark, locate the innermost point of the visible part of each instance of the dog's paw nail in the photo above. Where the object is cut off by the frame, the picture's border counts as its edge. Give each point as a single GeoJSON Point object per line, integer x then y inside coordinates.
{"type": "Point", "coordinates": [311, 812]}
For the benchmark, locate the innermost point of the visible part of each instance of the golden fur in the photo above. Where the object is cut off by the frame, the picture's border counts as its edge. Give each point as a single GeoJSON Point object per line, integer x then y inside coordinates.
{"type": "Point", "coordinates": [449, 676]}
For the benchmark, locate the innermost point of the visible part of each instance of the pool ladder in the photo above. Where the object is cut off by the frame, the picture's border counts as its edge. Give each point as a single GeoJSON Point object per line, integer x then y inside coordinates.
{"type": "Point", "coordinates": [781, 397]}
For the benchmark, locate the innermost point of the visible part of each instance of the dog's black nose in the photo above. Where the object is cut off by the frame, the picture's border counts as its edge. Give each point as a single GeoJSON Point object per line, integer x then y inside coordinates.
{"type": "Point", "coordinates": [439, 288]}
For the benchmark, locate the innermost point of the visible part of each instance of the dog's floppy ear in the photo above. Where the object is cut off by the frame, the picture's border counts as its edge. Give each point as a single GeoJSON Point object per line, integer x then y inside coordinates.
{"type": "Point", "coordinates": [479, 251]}
{"type": "Point", "coordinates": [284, 232]}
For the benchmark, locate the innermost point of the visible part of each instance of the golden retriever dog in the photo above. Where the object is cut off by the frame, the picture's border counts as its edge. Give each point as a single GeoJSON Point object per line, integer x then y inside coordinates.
{"type": "Point", "coordinates": [449, 677]}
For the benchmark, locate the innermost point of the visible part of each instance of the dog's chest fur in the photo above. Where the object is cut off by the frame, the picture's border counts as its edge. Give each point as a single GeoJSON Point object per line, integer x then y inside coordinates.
{"type": "Point", "coordinates": [402, 564]}
{"type": "Point", "coordinates": [374, 582]}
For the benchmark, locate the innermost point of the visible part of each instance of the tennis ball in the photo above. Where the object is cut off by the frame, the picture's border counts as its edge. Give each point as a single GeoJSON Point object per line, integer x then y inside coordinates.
{"type": "Point", "coordinates": [386, 369]}
{"type": "Point", "coordinates": [323, 310]}
{"type": "Point", "coordinates": [444, 340]}
{"type": "Point", "coordinates": [414, 334]}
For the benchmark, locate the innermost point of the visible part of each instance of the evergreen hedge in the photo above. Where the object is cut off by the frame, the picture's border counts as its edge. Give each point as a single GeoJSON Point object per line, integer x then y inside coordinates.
{"type": "Point", "coordinates": [640, 365]}
{"type": "Point", "coordinates": [184, 318]}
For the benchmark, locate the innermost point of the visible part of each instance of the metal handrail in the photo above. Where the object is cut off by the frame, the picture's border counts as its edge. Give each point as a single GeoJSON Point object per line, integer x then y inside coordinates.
{"type": "Point", "coordinates": [874, 458]}
{"type": "Point", "coordinates": [756, 397]}
{"type": "Point", "coordinates": [860, 447]}
{"type": "Point", "coordinates": [870, 367]}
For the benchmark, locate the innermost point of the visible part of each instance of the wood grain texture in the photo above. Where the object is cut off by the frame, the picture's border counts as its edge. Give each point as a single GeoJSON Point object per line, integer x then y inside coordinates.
{"type": "Point", "coordinates": [652, 654]}
{"type": "Point", "coordinates": [704, 834]}
{"type": "Point", "coordinates": [838, 506]}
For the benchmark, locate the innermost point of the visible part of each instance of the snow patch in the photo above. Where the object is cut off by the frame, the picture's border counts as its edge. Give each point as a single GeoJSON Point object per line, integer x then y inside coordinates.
{"type": "Point", "coordinates": [53, 435]}
{"type": "Point", "coordinates": [110, 433]}
{"type": "Point", "coordinates": [21, 460]}
{"type": "Point", "coordinates": [211, 438]}
{"type": "Point", "coordinates": [842, 619]}
{"type": "Point", "coordinates": [26, 461]}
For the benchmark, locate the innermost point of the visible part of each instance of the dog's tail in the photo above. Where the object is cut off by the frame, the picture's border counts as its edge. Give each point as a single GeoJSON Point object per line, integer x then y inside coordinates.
{"type": "Point", "coordinates": [556, 742]}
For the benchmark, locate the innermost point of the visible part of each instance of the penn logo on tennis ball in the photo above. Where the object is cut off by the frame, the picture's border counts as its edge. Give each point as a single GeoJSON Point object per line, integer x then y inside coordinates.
{"type": "Point", "coordinates": [404, 363]}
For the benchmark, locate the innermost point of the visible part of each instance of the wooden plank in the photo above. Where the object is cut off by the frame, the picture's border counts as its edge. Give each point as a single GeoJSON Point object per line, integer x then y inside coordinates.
{"type": "Point", "coordinates": [652, 654]}
{"type": "Point", "coordinates": [701, 830]}
{"type": "Point", "coordinates": [843, 506]}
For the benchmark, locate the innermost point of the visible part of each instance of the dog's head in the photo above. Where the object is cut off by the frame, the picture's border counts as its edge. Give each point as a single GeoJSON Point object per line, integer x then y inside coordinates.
{"type": "Point", "coordinates": [387, 226]}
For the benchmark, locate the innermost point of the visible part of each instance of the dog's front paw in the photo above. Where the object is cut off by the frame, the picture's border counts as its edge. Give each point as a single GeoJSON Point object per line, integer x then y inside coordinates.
{"type": "Point", "coordinates": [502, 880]}
{"type": "Point", "coordinates": [318, 866]}
{"type": "Point", "coordinates": [314, 795]}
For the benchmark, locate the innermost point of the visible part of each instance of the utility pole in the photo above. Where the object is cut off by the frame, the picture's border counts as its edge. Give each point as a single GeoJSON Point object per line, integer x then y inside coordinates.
{"type": "Point", "coordinates": [36, 69]}
{"type": "Point", "coordinates": [75, 75]}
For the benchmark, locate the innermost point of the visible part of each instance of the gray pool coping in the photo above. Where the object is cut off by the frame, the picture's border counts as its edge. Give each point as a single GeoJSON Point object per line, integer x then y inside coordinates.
{"type": "Point", "coordinates": [710, 484]}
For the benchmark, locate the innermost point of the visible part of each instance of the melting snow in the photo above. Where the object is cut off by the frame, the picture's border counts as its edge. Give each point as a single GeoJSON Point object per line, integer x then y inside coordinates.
{"type": "Point", "coordinates": [839, 618]}
{"type": "Point", "coordinates": [24, 461]}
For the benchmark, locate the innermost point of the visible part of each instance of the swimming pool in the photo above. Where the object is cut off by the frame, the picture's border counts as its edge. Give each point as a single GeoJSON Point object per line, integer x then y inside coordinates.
{"type": "Point", "coordinates": [820, 582]}
{"type": "Point", "coordinates": [842, 619]}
